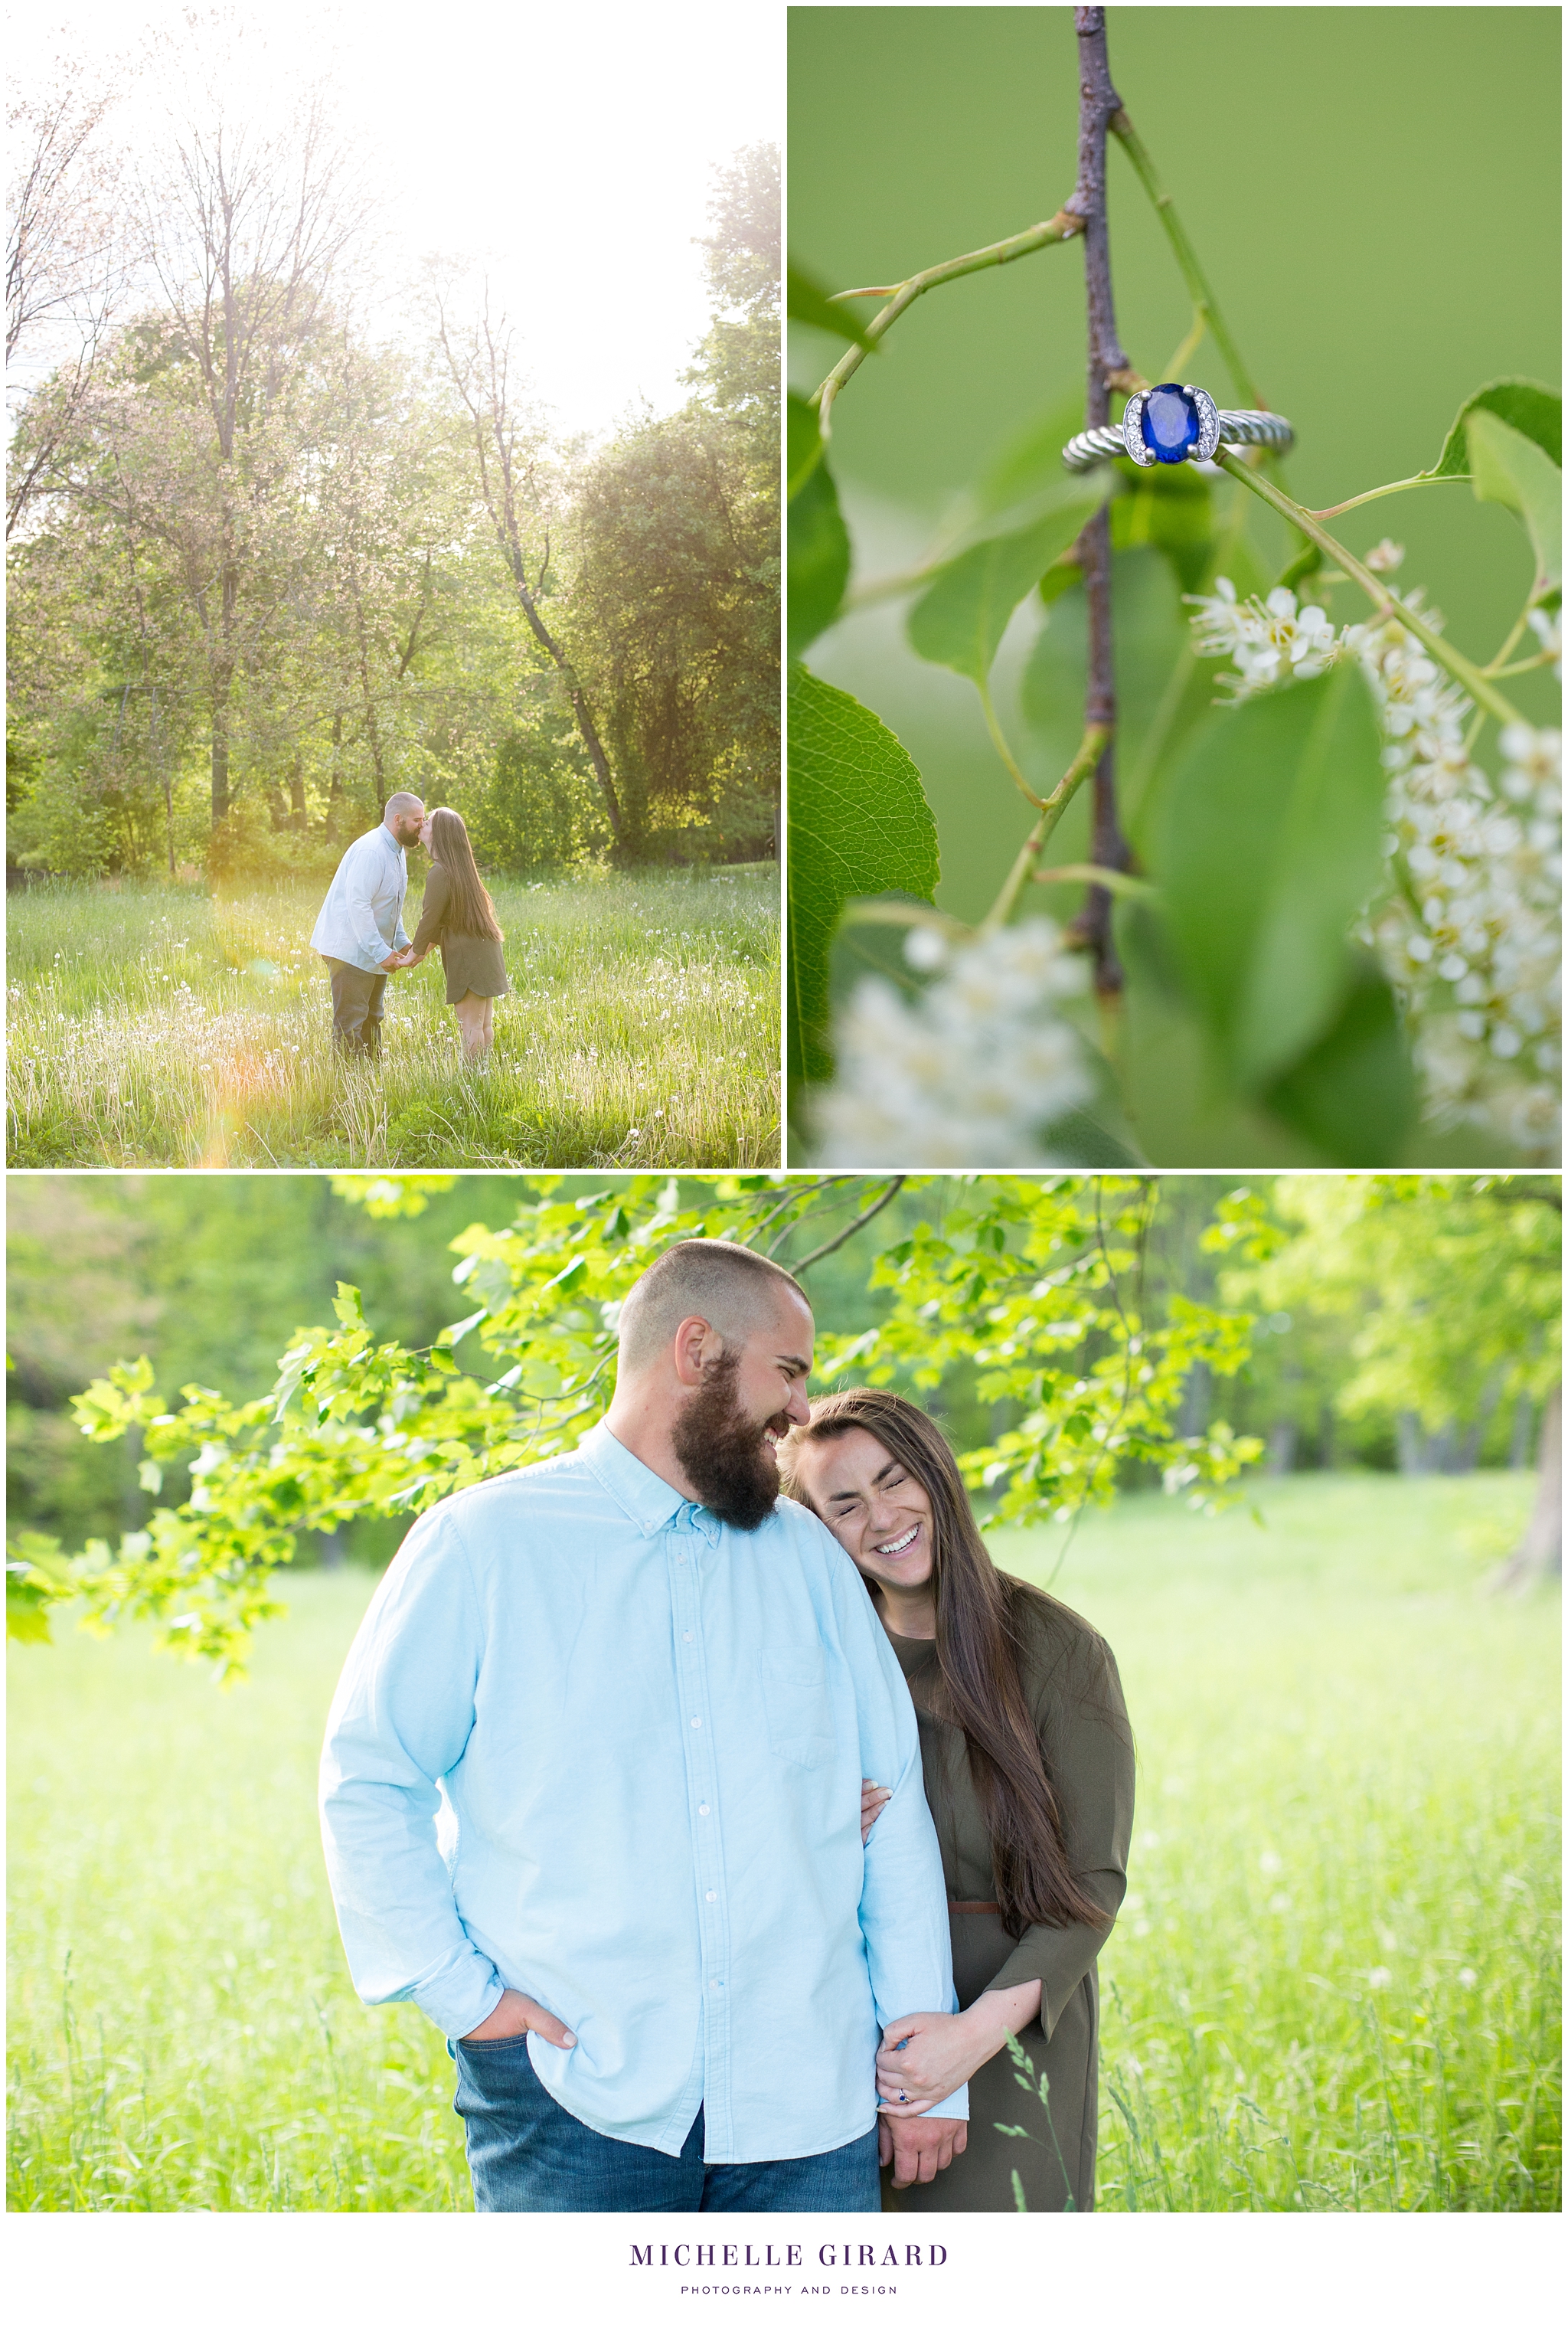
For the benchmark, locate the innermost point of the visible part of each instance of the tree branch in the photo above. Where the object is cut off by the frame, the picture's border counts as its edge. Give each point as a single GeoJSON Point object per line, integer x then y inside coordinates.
{"type": "Point", "coordinates": [903, 295]}
{"type": "Point", "coordinates": [1387, 606]}
{"type": "Point", "coordinates": [800, 1267]}
{"type": "Point", "coordinates": [1186, 257]}
{"type": "Point", "coordinates": [1098, 106]}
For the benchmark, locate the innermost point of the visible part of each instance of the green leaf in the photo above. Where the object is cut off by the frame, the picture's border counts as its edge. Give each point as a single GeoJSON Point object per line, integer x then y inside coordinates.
{"type": "Point", "coordinates": [962, 617]}
{"type": "Point", "coordinates": [1537, 412]}
{"type": "Point", "coordinates": [1270, 840]}
{"type": "Point", "coordinates": [805, 442]}
{"type": "Point", "coordinates": [1509, 468]}
{"type": "Point", "coordinates": [1171, 510]}
{"type": "Point", "coordinates": [818, 558]}
{"type": "Point", "coordinates": [859, 825]}
{"type": "Point", "coordinates": [1354, 1094]}
{"type": "Point", "coordinates": [809, 303]}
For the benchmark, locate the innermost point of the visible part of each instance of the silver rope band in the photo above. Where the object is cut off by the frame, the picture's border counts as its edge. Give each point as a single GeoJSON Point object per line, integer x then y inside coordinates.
{"type": "Point", "coordinates": [1124, 441]}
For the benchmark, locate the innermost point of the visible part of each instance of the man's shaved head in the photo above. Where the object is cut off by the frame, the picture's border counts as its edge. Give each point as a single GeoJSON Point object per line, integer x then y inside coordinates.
{"type": "Point", "coordinates": [733, 1290]}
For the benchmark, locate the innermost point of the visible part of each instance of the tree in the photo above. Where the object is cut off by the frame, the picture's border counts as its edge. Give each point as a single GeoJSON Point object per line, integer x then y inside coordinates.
{"type": "Point", "coordinates": [511, 458]}
{"type": "Point", "coordinates": [67, 261]}
{"type": "Point", "coordinates": [246, 228]}
{"type": "Point", "coordinates": [1032, 1289]}
{"type": "Point", "coordinates": [1453, 1289]}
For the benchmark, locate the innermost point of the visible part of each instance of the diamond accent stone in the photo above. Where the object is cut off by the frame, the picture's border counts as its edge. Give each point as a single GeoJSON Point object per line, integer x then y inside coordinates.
{"type": "Point", "coordinates": [1132, 429]}
{"type": "Point", "coordinates": [1208, 425]}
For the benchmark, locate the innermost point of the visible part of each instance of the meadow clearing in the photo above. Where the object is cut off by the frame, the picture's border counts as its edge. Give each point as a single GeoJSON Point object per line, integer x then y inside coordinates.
{"type": "Point", "coordinates": [1334, 1986]}
{"type": "Point", "coordinates": [161, 1025]}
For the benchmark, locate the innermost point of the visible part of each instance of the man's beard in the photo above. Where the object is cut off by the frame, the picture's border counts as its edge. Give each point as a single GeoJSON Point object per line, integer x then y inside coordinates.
{"type": "Point", "coordinates": [724, 1453]}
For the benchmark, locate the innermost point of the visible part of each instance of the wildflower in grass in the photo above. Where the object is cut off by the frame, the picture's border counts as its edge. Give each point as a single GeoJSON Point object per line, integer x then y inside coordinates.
{"type": "Point", "coordinates": [1468, 927]}
{"type": "Point", "coordinates": [1467, 1978]}
{"type": "Point", "coordinates": [1380, 1976]}
{"type": "Point", "coordinates": [974, 1071]}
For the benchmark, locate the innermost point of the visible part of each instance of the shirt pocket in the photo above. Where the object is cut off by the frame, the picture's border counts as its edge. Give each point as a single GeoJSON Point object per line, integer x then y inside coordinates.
{"type": "Point", "coordinates": [798, 1712]}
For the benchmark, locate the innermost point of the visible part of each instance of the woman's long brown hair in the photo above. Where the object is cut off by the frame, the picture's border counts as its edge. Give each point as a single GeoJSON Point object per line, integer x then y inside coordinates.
{"type": "Point", "coordinates": [980, 1617]}
{"type": "Point", "coordinates": [470, 913]}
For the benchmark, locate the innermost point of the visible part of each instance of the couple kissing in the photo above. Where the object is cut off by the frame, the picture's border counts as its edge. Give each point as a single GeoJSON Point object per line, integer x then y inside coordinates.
{"type": "Point", "coordinates": [360, 933]}
{"type": "Point", "coordinates": [728, 1833]}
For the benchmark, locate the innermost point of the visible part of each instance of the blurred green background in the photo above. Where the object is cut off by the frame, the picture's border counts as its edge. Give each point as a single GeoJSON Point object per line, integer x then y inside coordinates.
{"type": "Point", "coordinates": [1374, 193]}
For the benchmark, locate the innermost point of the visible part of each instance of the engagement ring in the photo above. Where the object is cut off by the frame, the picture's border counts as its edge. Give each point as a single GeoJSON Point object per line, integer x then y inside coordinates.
{"type": "Point", "coordinates": [1166, 424]}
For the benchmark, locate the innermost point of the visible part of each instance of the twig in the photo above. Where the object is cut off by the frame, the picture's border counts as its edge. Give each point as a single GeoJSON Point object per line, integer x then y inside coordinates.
{"type": "Point", "coordinates": [1060, 228]}
{"type": "Point", "coordinates": [1094, 740]}
{"type": "Point", "coordinates": [1381, 492]}
{"type": "Point", "coordinates": [798, 1266]}
{"type": "Point", "coordinates": [1098, 106]}
{"type": "Point", "coordinates": [1385, 605]}
{"type": "Point", "coordinates": [993, 727]}
{"type": "Point", "coordinates": [1186, 257]}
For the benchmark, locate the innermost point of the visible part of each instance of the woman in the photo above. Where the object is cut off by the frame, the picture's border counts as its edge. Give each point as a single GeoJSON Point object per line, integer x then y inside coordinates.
{"type": "Point", "coordinates": [1028, 1769]}
{"type": "Point", "coordinates": [460, 916]}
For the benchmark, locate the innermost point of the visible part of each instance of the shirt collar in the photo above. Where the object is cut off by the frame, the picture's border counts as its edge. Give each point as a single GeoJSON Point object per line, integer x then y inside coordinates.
{"type": "Point", "coordinates": [647, 1499]}
{"type": "Point", "coordinates": [382, 833]}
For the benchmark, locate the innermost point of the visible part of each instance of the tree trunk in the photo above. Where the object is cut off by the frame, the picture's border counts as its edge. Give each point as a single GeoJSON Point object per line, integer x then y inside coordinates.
{"type": "Point", "coordinates": [334, 788]}
{"type": "Point", "coordinates": [1282, 1449]}
{"type": "Point", "coordinates": [574, 695]}
{"type": "Point", "coordinates": [1540, 1552]}
{"type": "Point", "coordinates": [296, 795]}
{"type": "Point", "coordinates": [220, 694]}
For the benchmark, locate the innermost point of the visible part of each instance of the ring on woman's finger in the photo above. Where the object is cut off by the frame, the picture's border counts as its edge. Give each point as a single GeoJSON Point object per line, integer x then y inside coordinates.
{"type": "Point", "coordinates": [1170, 424]}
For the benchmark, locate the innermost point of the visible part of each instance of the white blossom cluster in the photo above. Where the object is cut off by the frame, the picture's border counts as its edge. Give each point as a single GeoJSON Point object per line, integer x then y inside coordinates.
{"type": "Point", "coordinates": [974, 1071]}
{"type": "Point", "coordinates": [1467, 926]}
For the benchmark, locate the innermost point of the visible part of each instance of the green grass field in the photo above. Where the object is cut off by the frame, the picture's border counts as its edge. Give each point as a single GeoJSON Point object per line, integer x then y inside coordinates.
{"type": "Point", "coordinates": [159, 1026]}
{"type": "Point", "coordinates": [1334, 1985]}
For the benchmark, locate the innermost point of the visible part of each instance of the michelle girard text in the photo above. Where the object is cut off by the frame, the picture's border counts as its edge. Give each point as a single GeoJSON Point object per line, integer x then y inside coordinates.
{"type": "Point", "coordinates": [787, 2255]}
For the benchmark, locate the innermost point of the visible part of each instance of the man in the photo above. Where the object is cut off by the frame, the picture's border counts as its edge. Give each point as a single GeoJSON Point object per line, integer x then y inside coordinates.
{"type": "Point", "coordinates": [591, 1796]}
{"type": "Point", "coordinates": [360, 930]}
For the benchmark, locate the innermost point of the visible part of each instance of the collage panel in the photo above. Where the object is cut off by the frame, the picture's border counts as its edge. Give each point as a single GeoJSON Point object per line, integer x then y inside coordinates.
{"type": "Point", "coordinates": [1098, 1630]}
{"type": "Point", "coordinates": [393, 772]}
{"type": "Point", "coordinates": [1175, 754]}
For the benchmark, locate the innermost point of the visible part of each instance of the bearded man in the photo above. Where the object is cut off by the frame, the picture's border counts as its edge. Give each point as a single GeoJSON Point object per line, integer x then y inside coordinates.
{"type": "Point", "coordinates": [591, 1796]}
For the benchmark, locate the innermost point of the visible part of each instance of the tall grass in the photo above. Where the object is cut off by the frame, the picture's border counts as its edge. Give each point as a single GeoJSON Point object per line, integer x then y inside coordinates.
{"type": "Point", "coordinates": [1334, 1984]}
{"type": "Point", "coordinates": [156, 1026]}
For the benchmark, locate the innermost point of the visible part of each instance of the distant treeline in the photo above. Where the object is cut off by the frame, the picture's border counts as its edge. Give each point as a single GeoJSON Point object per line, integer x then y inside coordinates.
{"type": "Point", "coordinates": [265, 571]}
{"type": "Point", "coordinates": [210, 1276]}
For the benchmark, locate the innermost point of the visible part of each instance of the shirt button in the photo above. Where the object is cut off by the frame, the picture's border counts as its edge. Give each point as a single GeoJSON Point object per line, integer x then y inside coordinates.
{"type": "Point", "coordinates": [687, 1636]}
{"type": "Point", "coordinates": [696, 1723]}
{"type": "Point", "coordinates": [681, 1559]}
{"type": "Point", "coordinates": [715, 1983]}
{"type": "Point", "coordinates": [713, 1895]}
{"type": "Point", "coordinates": [702, 1810]}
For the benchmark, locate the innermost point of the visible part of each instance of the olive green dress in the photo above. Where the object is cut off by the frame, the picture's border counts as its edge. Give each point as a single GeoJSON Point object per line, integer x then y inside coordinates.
{"type": "Point", "coordinates": [1071, 1683]}
{"type": "Point", "coordinates": [473, 964]}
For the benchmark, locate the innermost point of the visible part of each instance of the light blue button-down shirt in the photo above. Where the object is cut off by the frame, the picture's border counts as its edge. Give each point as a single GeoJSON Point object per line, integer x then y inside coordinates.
{"type": "Point", "coordinates": [593, 1744]}
{"type": "Point", "coordinates": [362, 920]}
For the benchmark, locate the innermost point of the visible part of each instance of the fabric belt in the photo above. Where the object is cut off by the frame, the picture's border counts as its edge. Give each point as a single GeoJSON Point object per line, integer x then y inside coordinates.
{"type": "Point", "coordinates": [954, 1906]}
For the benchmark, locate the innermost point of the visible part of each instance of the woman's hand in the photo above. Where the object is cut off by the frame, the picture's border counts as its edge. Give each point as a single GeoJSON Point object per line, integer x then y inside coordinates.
{"type": "Point", "coordinates": [873, 1800]}
{"type": "Point", "coordinates": [929, 2054]}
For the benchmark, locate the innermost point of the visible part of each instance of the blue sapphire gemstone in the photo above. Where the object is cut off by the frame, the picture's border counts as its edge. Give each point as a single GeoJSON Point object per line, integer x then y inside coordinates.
{"type": "Point", "coordinates": [1170, 423]}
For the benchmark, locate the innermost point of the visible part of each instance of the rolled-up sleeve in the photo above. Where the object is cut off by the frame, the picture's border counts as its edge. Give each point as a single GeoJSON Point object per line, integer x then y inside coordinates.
{"type": "Point", "coordinates": [400, 1721]}
{"type": "Point", "coordinates": [1081, 1718]}
{"type": "Point", "coordinates": [903, 1910]}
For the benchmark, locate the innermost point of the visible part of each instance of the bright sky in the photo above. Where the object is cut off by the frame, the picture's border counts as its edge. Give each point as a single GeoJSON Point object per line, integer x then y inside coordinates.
{"type": "Point", "coordinates": [566, 148]}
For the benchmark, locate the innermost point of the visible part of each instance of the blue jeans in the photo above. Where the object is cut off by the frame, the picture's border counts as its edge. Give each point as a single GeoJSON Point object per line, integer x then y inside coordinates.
{"type": "Point", "coordinates": [528, 2153]}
